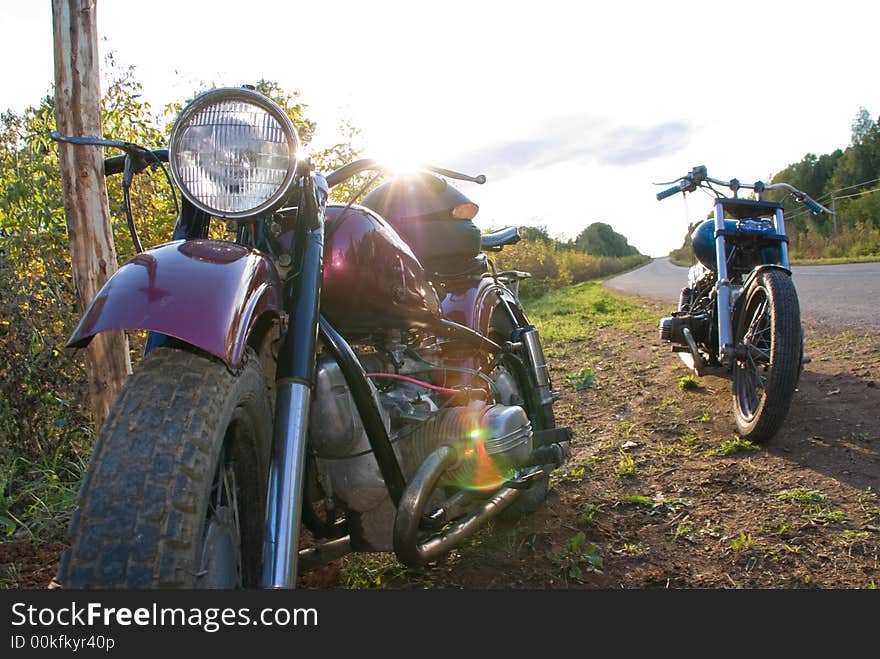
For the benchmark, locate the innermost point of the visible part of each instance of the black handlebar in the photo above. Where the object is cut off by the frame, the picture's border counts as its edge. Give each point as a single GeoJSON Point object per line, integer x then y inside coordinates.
{"type": "Point", "coordinates": [356, 167]}
{"type": "Point", "coordinates": [116, 164]}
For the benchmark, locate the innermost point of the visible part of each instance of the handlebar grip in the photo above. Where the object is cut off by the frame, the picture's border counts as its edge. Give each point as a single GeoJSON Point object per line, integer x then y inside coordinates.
{"type": "Point", "coordinates": [812, 205]}
{"type": "Point", "coordinates": [116, 164]}
{"type": "Point", "coordinates": [668, 193]}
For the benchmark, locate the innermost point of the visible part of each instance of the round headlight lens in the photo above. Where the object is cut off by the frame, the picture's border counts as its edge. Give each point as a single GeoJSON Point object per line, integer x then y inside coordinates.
{"type": "Point", "coordinates": [233, 153]}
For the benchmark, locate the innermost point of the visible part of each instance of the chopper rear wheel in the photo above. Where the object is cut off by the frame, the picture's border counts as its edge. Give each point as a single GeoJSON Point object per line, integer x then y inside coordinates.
{"type": "Point", "coordinates": [768, 355]}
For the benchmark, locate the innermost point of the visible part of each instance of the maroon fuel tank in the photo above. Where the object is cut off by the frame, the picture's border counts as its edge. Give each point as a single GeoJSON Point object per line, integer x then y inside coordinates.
{"type": "Point", "coordinates": [372, 279]}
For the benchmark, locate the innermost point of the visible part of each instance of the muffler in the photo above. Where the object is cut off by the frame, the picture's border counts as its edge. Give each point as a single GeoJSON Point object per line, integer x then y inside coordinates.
{"type": "Point", "coordinates": [415, 552]}
{"type": "Point", "coordinates": [471, 464]}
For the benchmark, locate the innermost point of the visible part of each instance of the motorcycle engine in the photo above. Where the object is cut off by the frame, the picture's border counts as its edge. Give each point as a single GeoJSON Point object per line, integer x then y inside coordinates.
{"type": "Point", "coordinates": [492, 440]}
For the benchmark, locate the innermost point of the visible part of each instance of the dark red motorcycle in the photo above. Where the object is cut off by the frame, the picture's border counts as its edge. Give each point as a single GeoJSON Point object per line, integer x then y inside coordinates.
{"type": "Point", "coordinates": [357, 370]}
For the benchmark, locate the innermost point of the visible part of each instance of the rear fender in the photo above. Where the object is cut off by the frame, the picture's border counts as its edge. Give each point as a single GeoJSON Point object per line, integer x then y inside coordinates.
{"type": "Point", "coordinates": [207, 293]}
{"type": "Point", "coordinates": [472, 304]}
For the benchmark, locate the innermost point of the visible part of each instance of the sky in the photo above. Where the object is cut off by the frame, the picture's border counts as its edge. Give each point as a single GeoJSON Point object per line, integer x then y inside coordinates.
{"type": "Point", "coordinates": [571, 109]}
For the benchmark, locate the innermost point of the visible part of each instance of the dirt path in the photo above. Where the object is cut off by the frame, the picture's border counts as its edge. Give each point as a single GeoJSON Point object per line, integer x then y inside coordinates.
{"type": "Point", "coordinates": [801, 512]}
{"type": "Point", "coordinates": [650, 499]}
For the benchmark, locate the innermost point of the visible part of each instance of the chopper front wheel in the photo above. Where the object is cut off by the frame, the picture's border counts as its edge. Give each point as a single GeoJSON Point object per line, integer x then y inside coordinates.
{"type": "Point", "coordinates": [768, 355]}
{"type": "Point", "coordinates": [175, 492]}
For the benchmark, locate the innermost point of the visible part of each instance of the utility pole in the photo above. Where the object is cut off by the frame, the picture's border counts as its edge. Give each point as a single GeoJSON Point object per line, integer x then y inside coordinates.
{"type": "Point", "coordinates": [93, 254]}
{"type": "Point", "coordinates": [833, 213]}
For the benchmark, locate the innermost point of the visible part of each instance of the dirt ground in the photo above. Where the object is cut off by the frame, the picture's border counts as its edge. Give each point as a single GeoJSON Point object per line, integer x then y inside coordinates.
{"type": "Point", "coordinates": [658, 494]}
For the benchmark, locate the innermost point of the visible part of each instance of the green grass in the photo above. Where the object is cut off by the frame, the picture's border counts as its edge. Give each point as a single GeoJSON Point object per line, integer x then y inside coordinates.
{"type": "Point", "coordinates": [689, 382]}
{"type": "Point", "coordinates": [743, 543]}
{"type": "Point", "coordinates": [626, 467]}
{"type": "Point", "coordinates": [581, 380]}
{"type": "Point", "coordinates": [574, 313]}
{"type": "Point", "coordinates": [801, 495]}
{"type": "Point", "coordinates": [37, 497]}
{"type": "Point", "coordinates": [656, 505]}
{"type": "Point", "coordinates": [734, 446]}
{"type": "Point", "coordinates": [588, 512]}
{"type": "Point", "coordinates": [682, 531]}
{"type": "Point", "coordinates": [833, 260]}
{"type": "Point", "coordinates": [577, 557]}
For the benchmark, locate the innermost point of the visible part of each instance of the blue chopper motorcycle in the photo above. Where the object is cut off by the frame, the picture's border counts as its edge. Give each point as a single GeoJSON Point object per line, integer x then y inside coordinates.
{"type": "Point", "coordinates": [739, 316]}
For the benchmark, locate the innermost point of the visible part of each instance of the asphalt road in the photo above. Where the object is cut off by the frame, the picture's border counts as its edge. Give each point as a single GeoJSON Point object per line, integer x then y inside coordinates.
{"type": "Point", "coordinates": [838, 293]}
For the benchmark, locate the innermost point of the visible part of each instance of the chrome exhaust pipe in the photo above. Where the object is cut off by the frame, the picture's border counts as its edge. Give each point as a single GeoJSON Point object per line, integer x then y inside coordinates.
{"type": "Point", "coordinates": [410, 513]}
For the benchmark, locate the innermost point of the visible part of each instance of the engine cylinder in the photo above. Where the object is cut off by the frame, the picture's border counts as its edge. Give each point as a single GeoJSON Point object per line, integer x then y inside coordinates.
{"type": "Point", "coordinates": [491, 442]}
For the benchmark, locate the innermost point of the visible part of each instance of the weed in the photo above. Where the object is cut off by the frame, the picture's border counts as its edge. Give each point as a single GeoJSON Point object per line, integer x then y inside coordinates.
{"type": "Point", "coordinates": [626, 467]}
{"type": "Point", "coordinates": [639, 499]}
{"type": "Point", "coordinates": [382, 570]}
{"type": "Point", "coordinates": [588, 512]}
{"type": "Point", "coordinates": [801, 495]}
{"type": "Point", "coordinates": [732, 446]}
{"type": "Point", "coordinates": [658, 504]}
{"type": "Point", "coordinates": [688, 382]}
{"type": "Point", "coordinates": [743, 543]}
{"type": "Point", "coordinates": [581, 380]}
{"type": "Point", "coordinates": [792, 549]}
{"type": "Point", "coordinates": [821, 516]}
{"type": "Point", "coordinates": [682, 530]}
{"type": "Point", "coordinates": [869, 502]}
{"type": "Point", "coordinates": [576, 557]}
{"type": "Point", "coordinates": [573, 475]}
{"type": "Point", "coordinates": [632, 549]}
{"type": "Point", "coordinates": [704, 418]}
{"type": "Point", "coordinates": [626, 428]}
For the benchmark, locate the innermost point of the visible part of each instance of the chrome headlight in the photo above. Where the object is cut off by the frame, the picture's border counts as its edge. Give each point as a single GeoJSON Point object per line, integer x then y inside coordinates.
{"type": "Point", "coordinates": [233, 153]}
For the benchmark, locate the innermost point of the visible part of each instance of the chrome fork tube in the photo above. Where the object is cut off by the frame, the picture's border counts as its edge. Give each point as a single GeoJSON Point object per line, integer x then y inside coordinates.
{"type": "Point", "coordinates": [286, 475]}
{"type": "Point", "coordinates": [294, 379]}
{"type": "Point", "coordinates": [722, 290]}
{"type": "Point", "coordinates": [783, 246]}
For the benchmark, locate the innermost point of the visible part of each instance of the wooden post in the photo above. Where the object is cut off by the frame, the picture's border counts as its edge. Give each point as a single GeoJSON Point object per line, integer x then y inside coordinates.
{"type": "Point", "coordinates": [93, 255]}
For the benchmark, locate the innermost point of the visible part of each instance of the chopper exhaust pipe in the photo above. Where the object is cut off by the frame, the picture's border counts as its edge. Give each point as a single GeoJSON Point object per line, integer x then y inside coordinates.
{"type": "Point", "coordinates": [414, 552]}
{"type": "Point", "coordinates": [407, 545]}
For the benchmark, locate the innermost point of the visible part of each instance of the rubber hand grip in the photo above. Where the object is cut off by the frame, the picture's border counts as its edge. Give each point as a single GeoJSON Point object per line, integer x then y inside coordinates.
{"type": "Point", "coordinates": [812, 205]}
{"type": "Point", "coordinates": [668, 193]}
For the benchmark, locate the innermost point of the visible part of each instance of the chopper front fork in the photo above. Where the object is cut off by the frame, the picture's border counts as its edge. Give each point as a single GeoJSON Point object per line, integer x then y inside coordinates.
{"type": "Point", "coordinates": [722, 292]}
{"type": "Point", "coordinates": [295, 376]}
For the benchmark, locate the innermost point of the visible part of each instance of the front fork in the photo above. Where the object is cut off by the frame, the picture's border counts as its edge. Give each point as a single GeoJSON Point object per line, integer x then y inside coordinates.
{"type": "Point", "coordinates": [295, 376]}
{"type": "Point", "coordinates": [722, 291]}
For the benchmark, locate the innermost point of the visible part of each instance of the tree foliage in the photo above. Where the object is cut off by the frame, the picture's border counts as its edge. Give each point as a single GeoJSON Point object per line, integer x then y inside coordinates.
{"type": "Point", "coordinates": [599, 239]}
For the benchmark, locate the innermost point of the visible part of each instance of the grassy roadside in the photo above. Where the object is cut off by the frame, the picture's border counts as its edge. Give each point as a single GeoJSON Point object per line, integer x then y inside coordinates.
{"type": "Point", "coordinates": [837, 260]}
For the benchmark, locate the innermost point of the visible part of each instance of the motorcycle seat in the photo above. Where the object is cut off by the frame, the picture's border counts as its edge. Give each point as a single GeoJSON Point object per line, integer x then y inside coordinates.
{"type": "Point", "coordinates": [495, 240]}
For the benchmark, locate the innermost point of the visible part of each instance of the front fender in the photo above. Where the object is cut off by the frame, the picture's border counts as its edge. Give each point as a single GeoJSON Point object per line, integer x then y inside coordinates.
{"type": "Point", "coordinates": [207, 293]}
{"type": "Point", "coordinates": [761, 268]}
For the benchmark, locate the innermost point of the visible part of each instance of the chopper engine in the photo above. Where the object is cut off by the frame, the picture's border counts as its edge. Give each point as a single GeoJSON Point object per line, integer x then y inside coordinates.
{"type": "Point", "coordinates": [491, 441]}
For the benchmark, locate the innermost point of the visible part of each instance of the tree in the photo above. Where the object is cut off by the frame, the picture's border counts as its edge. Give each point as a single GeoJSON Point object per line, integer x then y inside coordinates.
{"type": "Point", "coordinates": [599, 239]}
{"type": "Point", "coordinates": [93, 254]}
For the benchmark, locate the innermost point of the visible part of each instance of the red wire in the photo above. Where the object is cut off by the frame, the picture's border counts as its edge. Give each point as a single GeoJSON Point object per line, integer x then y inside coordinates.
{"type": "Point", "coordinates": [395, 376]}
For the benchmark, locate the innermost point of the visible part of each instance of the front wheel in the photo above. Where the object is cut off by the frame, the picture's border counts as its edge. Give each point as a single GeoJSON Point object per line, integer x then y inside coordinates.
{"type": "Point", "coordinates": [767, 355]}
{"type": "Point", "coordinates": [175, 492]}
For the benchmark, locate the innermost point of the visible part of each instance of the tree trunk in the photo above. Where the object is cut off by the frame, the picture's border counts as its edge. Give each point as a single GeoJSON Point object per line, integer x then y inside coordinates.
{"type": "Point", "coordinates": [93, 255]}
